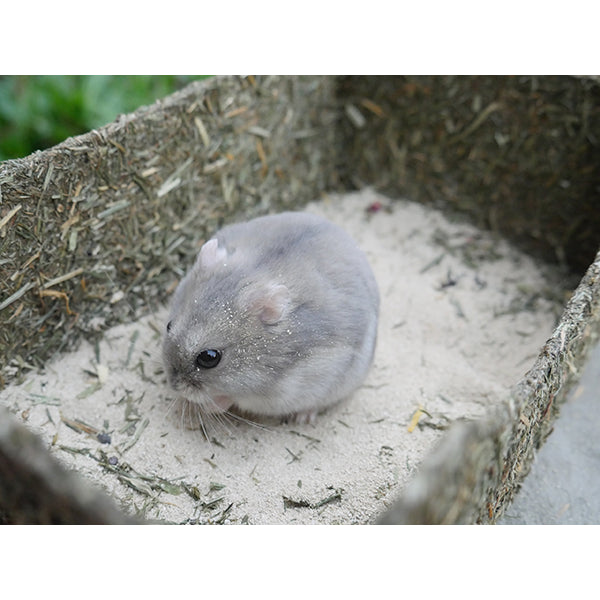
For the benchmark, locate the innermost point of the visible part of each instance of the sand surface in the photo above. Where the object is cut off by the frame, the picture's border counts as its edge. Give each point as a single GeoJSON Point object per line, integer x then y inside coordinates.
{"type": "Point", "coordinates": [463, 315]}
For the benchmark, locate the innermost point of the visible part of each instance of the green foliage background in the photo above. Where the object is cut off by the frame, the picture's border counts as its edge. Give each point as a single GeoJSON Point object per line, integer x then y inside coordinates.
{"type": "Point", "coordinates": [39, 111]}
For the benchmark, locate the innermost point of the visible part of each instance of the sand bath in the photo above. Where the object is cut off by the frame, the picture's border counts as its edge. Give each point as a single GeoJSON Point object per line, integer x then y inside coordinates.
{"type": "Point", "coordinates": [462, 317]}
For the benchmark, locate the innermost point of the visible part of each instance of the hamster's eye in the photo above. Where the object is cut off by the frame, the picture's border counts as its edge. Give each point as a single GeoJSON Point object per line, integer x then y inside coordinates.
{"type": "Point", "coordinates": [207, 359]}
{"type": "Point", "coordinates": [169, 326]}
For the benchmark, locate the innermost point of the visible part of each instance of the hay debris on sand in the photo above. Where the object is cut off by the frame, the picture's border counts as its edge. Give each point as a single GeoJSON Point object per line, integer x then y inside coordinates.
{"type": "Point", "coordinates": [463, 316]}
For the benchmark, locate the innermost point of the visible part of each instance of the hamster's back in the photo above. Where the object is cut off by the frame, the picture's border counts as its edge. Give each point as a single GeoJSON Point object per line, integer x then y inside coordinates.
{"type": "Point", "coordinates": [307, 252]}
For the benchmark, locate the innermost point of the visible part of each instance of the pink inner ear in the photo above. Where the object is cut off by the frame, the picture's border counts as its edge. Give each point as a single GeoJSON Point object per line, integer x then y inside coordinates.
{"type": "Point", "coordinates": [272, 304]}
{"type": "Point", "coordinates": [211, 255]}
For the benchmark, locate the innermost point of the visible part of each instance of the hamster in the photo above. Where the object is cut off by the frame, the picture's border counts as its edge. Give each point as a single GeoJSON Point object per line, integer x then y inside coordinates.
{"type": "Point", "coordinates": [278, 317]}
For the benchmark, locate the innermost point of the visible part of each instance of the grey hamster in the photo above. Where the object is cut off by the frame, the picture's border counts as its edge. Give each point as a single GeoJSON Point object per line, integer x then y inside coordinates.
{"type": "Point", "coordinates": [277, 317]}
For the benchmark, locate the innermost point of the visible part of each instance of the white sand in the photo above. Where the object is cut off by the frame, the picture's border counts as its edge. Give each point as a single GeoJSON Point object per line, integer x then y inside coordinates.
{"type": "Point", "coordinates": [451, 350]}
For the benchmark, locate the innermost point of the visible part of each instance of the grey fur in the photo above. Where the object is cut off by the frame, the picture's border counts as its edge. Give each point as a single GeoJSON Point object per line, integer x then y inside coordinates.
{"type": "Point", "coordinates": [313, 342]}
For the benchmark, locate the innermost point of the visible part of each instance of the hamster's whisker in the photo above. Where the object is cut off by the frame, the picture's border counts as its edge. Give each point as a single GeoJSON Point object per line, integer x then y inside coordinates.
{"type": "Point", "coordinates": [218, 417]}
{"type": "Point", "coordinates": [241, 419]}
{"type": "Point", "coordinates": [195, 412]}
{"type": "Point", "coordinates": [183, 410]}
{"type": "Point", "coordinates": [172, 403]}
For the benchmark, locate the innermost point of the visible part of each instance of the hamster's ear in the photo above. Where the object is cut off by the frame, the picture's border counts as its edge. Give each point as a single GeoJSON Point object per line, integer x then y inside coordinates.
{"type": "Point", "coordinates": [270, 302]}
{"type": "Point", "coordinates": [211, 255]}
